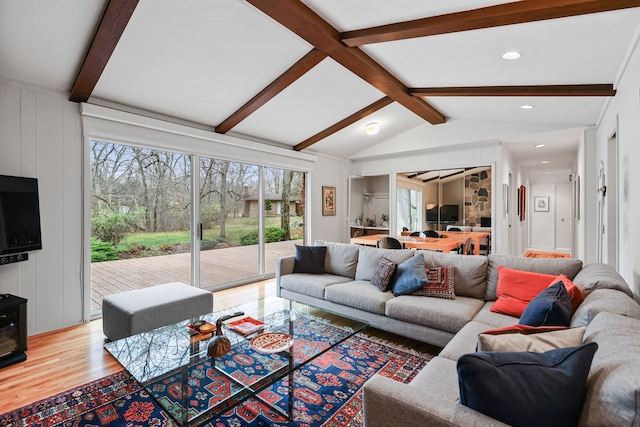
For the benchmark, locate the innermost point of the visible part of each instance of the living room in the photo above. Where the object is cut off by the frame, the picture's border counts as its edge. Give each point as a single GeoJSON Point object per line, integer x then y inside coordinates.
{"type": "Point", "coordinates": [44, 135]}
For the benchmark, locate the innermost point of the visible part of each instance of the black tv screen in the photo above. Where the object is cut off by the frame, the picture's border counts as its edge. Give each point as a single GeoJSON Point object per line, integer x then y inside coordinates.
{"type": "Point", "coordinates": [443, 213]}
{"type": "Point", "coordinates": [19, 215]}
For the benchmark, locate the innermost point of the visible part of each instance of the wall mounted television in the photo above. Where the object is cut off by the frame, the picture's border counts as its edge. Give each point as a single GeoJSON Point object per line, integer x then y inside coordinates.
{"type": "Point", "coordinates": [443, 213]}
{"type": "Point", "coordinates": [19, 215]}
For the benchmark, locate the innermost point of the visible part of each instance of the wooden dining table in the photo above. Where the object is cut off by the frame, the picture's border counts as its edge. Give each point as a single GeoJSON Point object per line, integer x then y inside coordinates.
{"type": "Point", "coordinates": [476, 236]}
{"type": "Point", "coordinates": [413, 242]}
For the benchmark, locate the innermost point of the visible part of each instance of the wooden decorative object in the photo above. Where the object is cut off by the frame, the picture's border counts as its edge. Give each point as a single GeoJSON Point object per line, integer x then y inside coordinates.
{"type": "Point", "coordinates": [219, 344]}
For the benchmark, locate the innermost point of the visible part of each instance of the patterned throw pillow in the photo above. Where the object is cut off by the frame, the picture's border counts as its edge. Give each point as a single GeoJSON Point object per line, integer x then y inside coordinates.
{"type": "Point", "coordinates": [383, 274]}
{"type": "Point", "coordinates": [439, 284]}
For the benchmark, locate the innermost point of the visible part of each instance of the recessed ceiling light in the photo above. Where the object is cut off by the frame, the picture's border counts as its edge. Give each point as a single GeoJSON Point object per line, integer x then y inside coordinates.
{"type": "Point", "coordinates": [547, 173]}
{"type": "Point", "coordinates": [539, 145]}
{"type": "Point", "coordinates": [372, 128]}
{"type": "Point", "coordinates": [544, 162]}
{"type": "Point", "coordinates": [511, 56]}
{"type": "Point", "coordinates": [527, 107]}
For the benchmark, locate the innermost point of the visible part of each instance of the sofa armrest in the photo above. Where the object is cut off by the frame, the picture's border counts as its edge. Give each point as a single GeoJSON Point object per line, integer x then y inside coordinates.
{"type": "Point", "coordinates": [389, 403]}
{"type": "Point", "coordinates": [284, 266]}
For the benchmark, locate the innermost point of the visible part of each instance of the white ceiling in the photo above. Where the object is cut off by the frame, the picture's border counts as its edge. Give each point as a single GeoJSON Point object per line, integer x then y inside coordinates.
{"type": "Point", "coordinates": [200, 60]}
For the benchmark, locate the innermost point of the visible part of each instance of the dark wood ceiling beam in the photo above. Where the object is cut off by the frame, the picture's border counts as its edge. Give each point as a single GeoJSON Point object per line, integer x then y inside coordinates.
{"type": "Point", "coordinates": [487, 17]}
{"type": "Point", "coordinates": [114, 21]}
{"type": "Point", "coordinates": [297, 70]}
{"type": "Point", "coordinates": [370, 109]}
{"type": "Point", "coordinates": [541, 90]}
{"type": "Point", "coordinates": [304, 22]}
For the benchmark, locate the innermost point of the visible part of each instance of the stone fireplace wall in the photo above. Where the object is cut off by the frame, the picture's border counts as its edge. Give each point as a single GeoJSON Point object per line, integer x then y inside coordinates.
{"type": "Point", "coordinates": [477, 197]}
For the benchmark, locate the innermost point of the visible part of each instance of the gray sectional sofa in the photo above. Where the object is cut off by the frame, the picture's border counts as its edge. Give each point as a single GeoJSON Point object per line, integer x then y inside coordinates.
{"type": "Point", "coordinates": [609, 313]}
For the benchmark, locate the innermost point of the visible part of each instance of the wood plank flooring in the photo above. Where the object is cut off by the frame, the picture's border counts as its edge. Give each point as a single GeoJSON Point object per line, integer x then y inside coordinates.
{"type": "Point", "coordinates": [217, 267]}
{"type": "Point", "coordinates": [60, 360]}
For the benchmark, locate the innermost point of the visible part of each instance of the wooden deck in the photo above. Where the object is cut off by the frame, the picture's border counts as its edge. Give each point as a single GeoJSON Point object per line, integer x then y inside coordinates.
{"type": "Point", "coordinates": [218, 266]}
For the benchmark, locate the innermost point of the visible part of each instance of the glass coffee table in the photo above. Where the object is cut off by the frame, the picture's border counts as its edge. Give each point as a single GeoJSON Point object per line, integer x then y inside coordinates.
{"type": "Point", "coordinates": [173, 365]}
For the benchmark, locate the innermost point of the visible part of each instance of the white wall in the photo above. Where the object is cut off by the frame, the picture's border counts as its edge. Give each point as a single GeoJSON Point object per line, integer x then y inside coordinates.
{"type": "Point", "coordinates": [333, 173]}
{"type": "Point", "coordinates": [542, 223]}
{"type": "Point", "coordinates": [624, 109]}
{"type": "Point", "coordinates": [40, 136]}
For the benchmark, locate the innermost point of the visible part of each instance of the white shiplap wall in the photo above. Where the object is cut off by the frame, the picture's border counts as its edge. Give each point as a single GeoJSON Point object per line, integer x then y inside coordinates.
{"type": "Point", "coordinates": [40, 136]}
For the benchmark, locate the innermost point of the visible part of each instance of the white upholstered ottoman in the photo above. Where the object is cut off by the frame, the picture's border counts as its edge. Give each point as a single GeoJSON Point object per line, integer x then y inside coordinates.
{"type": "Point", "coordinates": [132, 312]}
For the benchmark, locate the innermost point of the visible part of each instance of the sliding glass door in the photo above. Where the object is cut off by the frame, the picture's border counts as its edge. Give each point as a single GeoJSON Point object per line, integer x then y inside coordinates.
{"type": "Point", "coordinates": [230, 216]}
{"type": "Point", "coordinates": [148, 227]}
{"type": "Point", "coordinates": [140, 219]}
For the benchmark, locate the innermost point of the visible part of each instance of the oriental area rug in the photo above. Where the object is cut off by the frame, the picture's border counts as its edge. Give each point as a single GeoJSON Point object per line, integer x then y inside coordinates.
{"type": "Point", "coordinates": [328, 392]}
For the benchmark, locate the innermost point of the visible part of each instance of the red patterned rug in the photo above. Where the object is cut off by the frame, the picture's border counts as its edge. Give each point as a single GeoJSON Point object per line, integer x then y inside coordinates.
{"type": "Point", "coordinates": [328, 392]}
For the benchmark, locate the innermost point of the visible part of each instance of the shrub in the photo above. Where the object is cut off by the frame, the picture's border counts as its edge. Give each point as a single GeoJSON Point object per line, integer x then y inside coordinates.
{"type": "Point", "coordinates": [271, 235]}
{"type": "Point", "coordinates": [165, 247]}
{"type": "Point", "coordinates": [109, 228]}
{"type": "Point", "coordinates": [207, 244]}
{"type": "Point", "coordinates": [102, 251]}
{"type": "Point", "coordinates": [135, 249]}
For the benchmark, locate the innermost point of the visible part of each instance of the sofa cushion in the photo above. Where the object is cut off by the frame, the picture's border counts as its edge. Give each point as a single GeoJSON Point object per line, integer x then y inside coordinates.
{"type": "Point", "coordinates": [538, 339]}
{"type": "Point", "coordinates": [310, 259]}
{"type": "Point", "coordinates": [368, 259]}
{"type": "Point", "coordinates": [383, 276]}
{"type": "Point", "coordinates": [442, 314]}
{"type": "Point", "coordinates": [516, 288]}
{"type": "Point", "coordinates": [526, 388]}
{"type": "Point", "coordinates": [600, 276]}
{"type": "Point", "coordinates": [465, 341]}
{"type": "Point", "coordinates": [470, 272]}
{"type": "Point", "coordinates": [310, 284]}
{"type": "Point", "coordinates": [613, 387]}
{"type": "Point", "coordinates": [341, 258]}
{"type": "Point", "coordinates": [497, 320]}
{"type": "Point", "coordinates": [410, 276]}
{"type": "Point", "coordinates": [439, 283]}
{"type": "Point", "coordinates": [553, 266]}
{"type": "Point", "coordinates": [359, 294]}
{"type": "Point", "coordinates": [440, 378]}
{"type": "Point", "coordinates": [608, 300]}
{"type": "Point", "coordinates": [551, 307]}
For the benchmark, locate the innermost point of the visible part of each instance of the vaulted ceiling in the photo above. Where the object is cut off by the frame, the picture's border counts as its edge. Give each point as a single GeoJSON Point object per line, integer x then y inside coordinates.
{"type": "Point", "coordinates": [310, 74]}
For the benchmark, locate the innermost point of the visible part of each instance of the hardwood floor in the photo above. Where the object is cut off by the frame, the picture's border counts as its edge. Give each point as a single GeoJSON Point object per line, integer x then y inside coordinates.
{"type": "Point", "coordinates": [63, 359]}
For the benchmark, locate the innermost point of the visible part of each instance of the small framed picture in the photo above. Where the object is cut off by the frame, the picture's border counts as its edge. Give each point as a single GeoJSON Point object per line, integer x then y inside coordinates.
{"type": "Point", "coordinates": [328, 201]}
{"type": "Point", "coordinates": [541, 204]}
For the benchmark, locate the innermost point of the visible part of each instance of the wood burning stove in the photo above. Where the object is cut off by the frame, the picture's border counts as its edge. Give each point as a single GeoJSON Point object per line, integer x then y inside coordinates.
{"type": "Point", "coordinates": [13, 329]}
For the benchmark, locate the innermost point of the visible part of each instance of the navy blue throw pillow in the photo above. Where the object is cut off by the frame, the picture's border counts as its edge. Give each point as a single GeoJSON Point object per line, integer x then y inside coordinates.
{"type": "Point", "coordinates": [410, 276]}
{"type": "Point", "coordinates": [310, 259]}
{"type": "Point", "coordinates": [526, 388]}
{"type": "Point", "coordinates": [551, 307]}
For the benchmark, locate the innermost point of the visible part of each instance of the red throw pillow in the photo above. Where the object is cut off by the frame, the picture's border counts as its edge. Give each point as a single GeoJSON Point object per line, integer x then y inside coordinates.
{"type": "Point", "coordinates": [574, 292]}
{"type": "Point", "coordinates": [516, 288]}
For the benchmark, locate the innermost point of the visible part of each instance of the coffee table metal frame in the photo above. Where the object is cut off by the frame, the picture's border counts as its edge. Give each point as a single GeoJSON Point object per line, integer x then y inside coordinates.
{"type": "Point", "coordinates": [171, 350]}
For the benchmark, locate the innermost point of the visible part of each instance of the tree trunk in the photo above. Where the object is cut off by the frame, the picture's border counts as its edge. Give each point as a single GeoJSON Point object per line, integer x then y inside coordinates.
{"type": "Point", "coordinates": [223, 198]}
{"type": "Point", "coordinates": [286, 206]}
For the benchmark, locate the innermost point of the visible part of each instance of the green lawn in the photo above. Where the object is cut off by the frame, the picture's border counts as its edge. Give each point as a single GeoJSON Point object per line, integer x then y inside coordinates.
{"type": "Point", "coordinates": [172, 240]}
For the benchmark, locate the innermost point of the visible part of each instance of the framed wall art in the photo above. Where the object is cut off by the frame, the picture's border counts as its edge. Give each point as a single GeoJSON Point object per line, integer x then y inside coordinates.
{"type": "Point", "coordinates": [541, 204]}
{"type": "Point", "coordinates": [522, 201]}
{"type": "Point", "coordinates": [328, 201]}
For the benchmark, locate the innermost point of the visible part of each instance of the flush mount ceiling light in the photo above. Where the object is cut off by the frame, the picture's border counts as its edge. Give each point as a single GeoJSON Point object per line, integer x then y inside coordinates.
{"type": "Point", "coordinates": [511, 56]}
{"type": "Point", "coordinates": [539, 145]}
{"type": "Point", "coordinates": [544, 162]}
{"type": "Point", "coordinates": [372, 128]}
{"type": "Point", "coordinates": [527, 107]}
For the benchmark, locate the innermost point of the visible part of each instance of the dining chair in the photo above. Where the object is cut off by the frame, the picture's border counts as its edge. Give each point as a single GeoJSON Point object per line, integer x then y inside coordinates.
{"type": "Point", "coordinates": [431, 233]}
{"type": "Point", "coordinates": [418, 234]}
{"type": "Point", "coordinates": [389, 243]}
{"type": "Point", "coordinates": [467, 247]}
{"type": "Point", "coordinates": [453, 229]}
